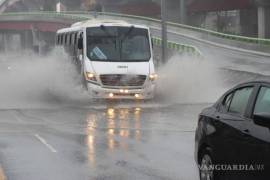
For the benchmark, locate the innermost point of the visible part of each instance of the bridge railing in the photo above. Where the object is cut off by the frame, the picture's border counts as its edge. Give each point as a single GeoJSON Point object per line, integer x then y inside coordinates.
{"type": "Point", "coordinates": [66, 15]}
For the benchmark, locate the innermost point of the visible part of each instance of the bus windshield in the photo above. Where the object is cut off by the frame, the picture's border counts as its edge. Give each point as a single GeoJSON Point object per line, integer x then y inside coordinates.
{"type": "Point", "coordinates": [120, 44]}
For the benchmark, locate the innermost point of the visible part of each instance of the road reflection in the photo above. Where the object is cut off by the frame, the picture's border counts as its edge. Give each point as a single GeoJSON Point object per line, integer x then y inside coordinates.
{"type": "Point", "coordinates": [117, 127]}
{"type": "Point", "coordinates": [91, 125]}
{"type": "Point", "coordinates": [2, 175]}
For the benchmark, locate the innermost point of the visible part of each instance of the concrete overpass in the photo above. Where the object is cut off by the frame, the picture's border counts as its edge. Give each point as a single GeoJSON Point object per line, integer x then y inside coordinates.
{"type": "Point", "coordinates": [32, 30]}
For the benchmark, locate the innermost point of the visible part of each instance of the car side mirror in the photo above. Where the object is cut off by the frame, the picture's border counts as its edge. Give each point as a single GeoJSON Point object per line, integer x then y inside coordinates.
{"type": "Point", "coordinates": [262, 119]}
{"type": "Point", "coordinates": [80, 43]}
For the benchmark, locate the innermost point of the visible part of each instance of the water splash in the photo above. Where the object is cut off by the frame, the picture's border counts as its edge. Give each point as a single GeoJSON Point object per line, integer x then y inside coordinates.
{"type": "Point", "coordinates": [186, 79]}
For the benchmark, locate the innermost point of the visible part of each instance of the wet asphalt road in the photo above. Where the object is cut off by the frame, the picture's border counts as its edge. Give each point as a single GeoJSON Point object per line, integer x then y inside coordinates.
{"type": "Point", "coordinates": [105, 141]}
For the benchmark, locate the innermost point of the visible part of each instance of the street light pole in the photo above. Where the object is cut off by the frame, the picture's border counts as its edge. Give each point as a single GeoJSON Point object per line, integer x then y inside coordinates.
{"type": "Point", "coordinates": [182, 11]}
{"type": "Point", "coordinates": [164, 30]}
{"type": "Point", "coordinates": [58, 6]}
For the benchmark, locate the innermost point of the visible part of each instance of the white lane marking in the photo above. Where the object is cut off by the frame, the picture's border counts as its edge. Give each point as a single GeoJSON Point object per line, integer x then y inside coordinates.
{"type": "Point", "coordinates": [43, 141]}
{"type": "Point", "coordinates": [17, 118]}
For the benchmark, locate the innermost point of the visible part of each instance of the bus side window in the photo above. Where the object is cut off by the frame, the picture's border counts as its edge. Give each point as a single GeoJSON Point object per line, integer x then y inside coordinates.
{"type": "Point", "coordinates": [72, 39]}
{"type": "Point", "coordinates": [75, 39]}
{"type": "Point", "coordinates": [66, 38]}
{"type": "Point", "coordinates": [80, 42]}
{"type": "Point", "coordinates": [62, 39]}
{"type": "Point", "coordinates": [57, 40]}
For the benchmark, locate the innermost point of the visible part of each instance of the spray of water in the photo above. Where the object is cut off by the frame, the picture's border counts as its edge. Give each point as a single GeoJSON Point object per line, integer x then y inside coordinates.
{"type": "Point", "coordinates": [30, 81]}
{"type": "Point", "coordinates": [186, 79]}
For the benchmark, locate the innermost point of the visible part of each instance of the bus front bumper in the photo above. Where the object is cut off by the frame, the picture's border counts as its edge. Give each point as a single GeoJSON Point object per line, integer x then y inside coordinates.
{"type": "Point", "coordinates": [99, 92]}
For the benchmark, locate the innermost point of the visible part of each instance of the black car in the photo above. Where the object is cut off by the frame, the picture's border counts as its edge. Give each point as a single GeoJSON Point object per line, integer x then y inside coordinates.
{"type": "Point", "coordinates": [233, 136]}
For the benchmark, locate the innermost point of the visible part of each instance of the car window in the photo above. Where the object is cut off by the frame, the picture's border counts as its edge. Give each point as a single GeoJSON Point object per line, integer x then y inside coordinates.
{"type": "Point", "coordinates": [227, 101]}
{"type": "Point", "coordinates": [240, 100]}
{"type": "Point", "coordinates": [263, 101]}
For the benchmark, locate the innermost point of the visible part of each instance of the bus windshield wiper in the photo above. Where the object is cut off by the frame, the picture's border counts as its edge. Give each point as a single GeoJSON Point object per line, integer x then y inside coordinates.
{"type": "Point", "coordinates": [123, 39]}
{"type": "Point", "coordinates": [103, 28]}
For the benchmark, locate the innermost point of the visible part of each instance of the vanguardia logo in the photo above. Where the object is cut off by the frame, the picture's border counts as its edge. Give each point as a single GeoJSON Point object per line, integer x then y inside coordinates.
{"type": "Point", "coordinates": [234, 167]}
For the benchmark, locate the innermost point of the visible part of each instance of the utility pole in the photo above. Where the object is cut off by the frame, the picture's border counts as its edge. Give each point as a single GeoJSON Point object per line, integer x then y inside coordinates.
{"type": "Point", "coordinates": [164, 30]}
{"type": "Point", "coordinates": [58, 6]}
{"type": "Point", "coordinates": [182, 11]}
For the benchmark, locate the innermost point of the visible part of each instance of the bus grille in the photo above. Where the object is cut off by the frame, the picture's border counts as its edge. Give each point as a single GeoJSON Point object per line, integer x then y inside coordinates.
{"type": "Point", "coordinates": [122, 80]}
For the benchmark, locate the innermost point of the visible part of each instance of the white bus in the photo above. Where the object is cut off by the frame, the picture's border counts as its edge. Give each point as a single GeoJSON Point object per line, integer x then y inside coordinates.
{"type": "Point", "coordinates": [115, 58]}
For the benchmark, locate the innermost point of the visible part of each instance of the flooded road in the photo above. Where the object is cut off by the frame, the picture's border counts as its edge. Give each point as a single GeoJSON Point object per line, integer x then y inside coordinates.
{"type": "Point", "coordinates": [101, 142]}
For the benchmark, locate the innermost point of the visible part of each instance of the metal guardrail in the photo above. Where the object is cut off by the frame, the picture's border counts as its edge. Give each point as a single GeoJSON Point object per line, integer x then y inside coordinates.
{"type": "Point", "coordinates": [181, 48]}
{"type": "Point", "coordinates": [77, 17]}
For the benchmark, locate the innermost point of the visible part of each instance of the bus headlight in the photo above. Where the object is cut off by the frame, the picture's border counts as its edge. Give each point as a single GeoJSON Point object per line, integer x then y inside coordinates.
{"type": "Point", "coordinates": [153, 77]}
{"type": "Point", "coordinates": [90, 76]}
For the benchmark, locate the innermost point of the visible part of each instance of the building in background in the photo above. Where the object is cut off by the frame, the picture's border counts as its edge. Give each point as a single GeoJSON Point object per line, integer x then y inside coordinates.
{"type": "Point", "coordinates": [60, 7]}
{"type": "Point", "coordinates": [230, 16]}
{"type": "Point", "coordinates": [87, 5]}
{"type": "Point", "coordinates": [148, 8]}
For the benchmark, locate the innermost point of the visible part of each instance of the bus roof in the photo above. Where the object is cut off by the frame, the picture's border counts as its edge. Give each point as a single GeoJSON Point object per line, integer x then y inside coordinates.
{"type": "Point", "coordinates": [98, 22]}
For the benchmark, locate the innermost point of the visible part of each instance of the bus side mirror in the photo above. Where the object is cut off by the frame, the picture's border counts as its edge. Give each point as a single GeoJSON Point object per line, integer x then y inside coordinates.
{"type": "Point", "coordinates": [80, 57]}
{"type": "Point", "coordinates": [80, 43]}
